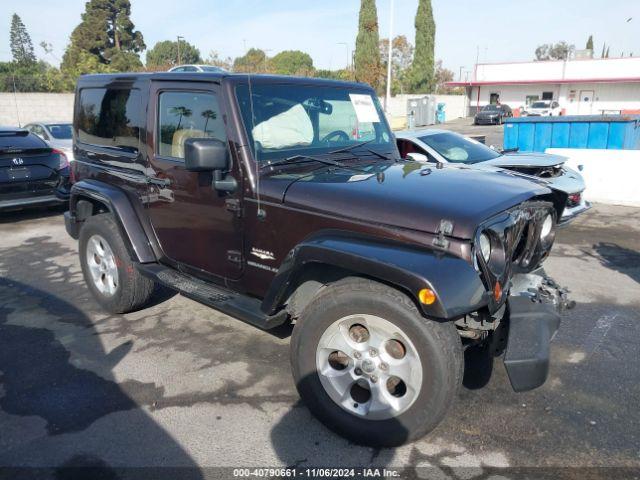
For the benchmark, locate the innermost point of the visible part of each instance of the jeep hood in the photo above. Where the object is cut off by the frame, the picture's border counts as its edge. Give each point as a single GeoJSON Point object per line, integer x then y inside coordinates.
{"type": "Point", "coordinates": [525, 160]}
{"type": "Point", "coordinates": [412, 195]}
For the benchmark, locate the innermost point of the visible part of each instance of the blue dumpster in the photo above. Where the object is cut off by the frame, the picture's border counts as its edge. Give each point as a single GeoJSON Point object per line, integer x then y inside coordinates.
{"type": "Point", "coordinates": [440, 113]}
{"type": "Point", "coordinates": [535, 134]}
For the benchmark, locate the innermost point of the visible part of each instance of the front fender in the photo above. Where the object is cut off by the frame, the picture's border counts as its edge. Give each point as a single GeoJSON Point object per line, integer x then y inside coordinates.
{"type": "Point", "coordinates": [119, 205]}
{"type": "Point", "coordinates": [456, 283]}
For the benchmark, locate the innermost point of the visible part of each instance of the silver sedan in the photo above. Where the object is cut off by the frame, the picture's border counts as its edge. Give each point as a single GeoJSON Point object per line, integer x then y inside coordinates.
{"type": "Point", "coordinates": [443, 146]}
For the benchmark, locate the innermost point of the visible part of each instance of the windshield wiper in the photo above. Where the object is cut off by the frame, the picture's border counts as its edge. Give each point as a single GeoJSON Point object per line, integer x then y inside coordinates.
{"type": "Point", "coordinates": [362, 144]}
{"type": "Point", "coordinates": [308, 158]}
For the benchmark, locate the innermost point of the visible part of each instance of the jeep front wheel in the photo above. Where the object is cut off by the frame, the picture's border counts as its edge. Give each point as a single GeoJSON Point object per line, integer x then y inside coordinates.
{"type": "Point", "coordinates": [370, 367]}
{"type": "Point", "coordinates": [108, 269]}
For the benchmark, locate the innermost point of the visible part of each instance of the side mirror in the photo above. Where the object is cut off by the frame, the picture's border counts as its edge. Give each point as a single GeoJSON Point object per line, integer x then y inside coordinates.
{"type": "Point", "coordinates": [205, 155]}
{"type": "Point", "coordinates": [418, 157]}
{"type": "Point", "coordinates": [210, 155]}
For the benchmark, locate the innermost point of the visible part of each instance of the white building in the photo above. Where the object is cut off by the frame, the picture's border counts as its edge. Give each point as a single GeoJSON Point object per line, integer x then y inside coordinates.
{"type": "Point", "coordinates": [581, 86]}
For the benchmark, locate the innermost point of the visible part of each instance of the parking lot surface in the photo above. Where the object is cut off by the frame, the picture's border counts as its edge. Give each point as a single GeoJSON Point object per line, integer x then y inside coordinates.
{"type": "Point", "coordinates": [181, 385]}
{"type": "Point", "coordinates": [494, 134]}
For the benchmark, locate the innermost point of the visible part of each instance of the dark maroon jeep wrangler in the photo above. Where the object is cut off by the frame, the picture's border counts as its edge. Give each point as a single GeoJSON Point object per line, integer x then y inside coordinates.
{"type": "Point", "coordinates": [284, 200]}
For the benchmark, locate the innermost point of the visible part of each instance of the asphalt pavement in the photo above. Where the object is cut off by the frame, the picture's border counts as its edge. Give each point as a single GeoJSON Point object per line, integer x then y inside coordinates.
{"type": "Point", "coordinates": [181, 385]}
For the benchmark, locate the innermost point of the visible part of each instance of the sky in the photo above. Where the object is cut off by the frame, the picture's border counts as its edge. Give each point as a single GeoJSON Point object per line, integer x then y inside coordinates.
{"type": "Point", "coordinates": [490, 30]}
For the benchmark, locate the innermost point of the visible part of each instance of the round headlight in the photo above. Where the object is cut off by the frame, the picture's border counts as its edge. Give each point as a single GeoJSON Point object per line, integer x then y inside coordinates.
{"type": "Point", "coordinates": [485, 247]}
{"type": "Point", "coordinates": [547, 226]}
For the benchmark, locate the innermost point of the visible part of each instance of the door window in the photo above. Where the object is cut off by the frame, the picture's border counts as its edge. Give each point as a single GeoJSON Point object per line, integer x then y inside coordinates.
{"type": "Point", "coordinates": [547, 95]}
{"type": "Point", "coordinates": [494, 98]}
{"type": "Point", "coordinates": [184, 115]}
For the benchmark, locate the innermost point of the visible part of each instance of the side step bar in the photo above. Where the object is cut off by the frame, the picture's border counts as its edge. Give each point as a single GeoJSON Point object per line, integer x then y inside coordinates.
{"type": "Point", "coordinates": [233, 304]}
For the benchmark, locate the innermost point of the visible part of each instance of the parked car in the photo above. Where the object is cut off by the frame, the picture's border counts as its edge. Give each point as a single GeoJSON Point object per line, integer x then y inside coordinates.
{"type": "Point", "coordinates": [58, 135]}
{"type": "Point", "coordinates": [31, 172]}
{"type": "Point", "coordinates": [492, 114]}
{"type": "Point", "coordinates": [197, 68]}
{"type": "Point", "coordinates": [443, 146]}
{"type": "Point", "coordinates": [284, 200]}
{"type": "Point", "coordinates": [545, 108]}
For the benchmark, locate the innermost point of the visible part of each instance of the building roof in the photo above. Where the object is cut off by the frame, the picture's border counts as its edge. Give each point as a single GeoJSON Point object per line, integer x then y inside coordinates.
{"type": "Point", "coordinates": [601, 70]}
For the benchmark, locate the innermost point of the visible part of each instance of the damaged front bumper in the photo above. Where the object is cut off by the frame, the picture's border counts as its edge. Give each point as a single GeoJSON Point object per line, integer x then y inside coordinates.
{"type": "Point", "coordinates": [533, 311]}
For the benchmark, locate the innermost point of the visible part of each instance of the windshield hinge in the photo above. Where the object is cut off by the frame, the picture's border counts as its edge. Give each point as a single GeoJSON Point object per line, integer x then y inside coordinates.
{"type": "Point", "coordinates": [233, 205]}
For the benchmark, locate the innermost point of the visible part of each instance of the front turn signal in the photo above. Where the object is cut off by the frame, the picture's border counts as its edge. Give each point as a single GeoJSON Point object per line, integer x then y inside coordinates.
{"type": "Point", "coordinates": [497, 292]}
{"type": "Point", "coordinates": [427, 296]}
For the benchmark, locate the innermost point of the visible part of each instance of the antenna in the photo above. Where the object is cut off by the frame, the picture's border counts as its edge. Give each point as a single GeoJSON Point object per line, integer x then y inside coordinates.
{"type": "Point", "coordinates": [260, 213]}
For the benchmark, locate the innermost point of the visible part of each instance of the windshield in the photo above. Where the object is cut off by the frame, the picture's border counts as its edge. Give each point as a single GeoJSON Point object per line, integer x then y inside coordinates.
{"type": "Point", "coordinates": [490, 108]}
{"type": "Point", "coordinates": [210, 68]}
{"type": "Point", "coordinates": [311, 119]}
{"type": "Point", "coordinates": [61, 131]}
{"type": "Point", "coordinates": [459, 149]}
{"type": "Point", "coordinates": [540, 105]}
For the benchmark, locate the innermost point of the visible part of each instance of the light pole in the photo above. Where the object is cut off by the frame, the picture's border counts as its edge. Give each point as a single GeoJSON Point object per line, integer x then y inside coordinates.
{"type": "Point", "coordinates": [387, 97]}
{"type": "Point", "coordinates": [346, 46]}
{"type": "Point", "coordinates": [179, 56]}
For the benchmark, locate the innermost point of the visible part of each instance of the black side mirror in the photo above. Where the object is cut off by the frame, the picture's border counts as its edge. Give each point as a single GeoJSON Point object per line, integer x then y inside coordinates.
{"type": "Point", "coordinates": [205, 155]}
{"type": "Point", "coordinates": [210, 155]}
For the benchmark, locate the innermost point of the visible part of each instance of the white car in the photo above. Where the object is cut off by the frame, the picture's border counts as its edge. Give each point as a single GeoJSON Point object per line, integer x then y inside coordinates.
{"type": "Point", "coordinates": [197, 68]}
{"type": "Point", "coordinates": [443, 146]}
{"type": "Point", "coordinates": [57, 134]}
{"type": "Point", "coordinates": [543, 108]}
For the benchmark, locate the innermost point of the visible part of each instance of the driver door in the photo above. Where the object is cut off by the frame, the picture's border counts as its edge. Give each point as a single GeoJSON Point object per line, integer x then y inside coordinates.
{"type": "Point", "coordinates": [192, 221]}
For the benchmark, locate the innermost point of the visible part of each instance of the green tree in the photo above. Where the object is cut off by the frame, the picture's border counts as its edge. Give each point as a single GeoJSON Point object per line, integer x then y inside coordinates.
{"type": "Point", "coordinates": [292, 62]}
{"type": "Point", "coordinates": [606, 55]}
{"type": "Point", "coordinates": [422, 69]}
{"type": "Point", "coordinates": [558, 51]}
{"type": "Point", "coordinates": [164, 54]}
{"type": "Point", "coordinates": [367, 56]}
{"type": "Point", "coordinates": [107, 33]}
{"type": "Point", "coordinates": [590, 43]}
{"type": "Point", "coordinates": [254, 61]}
{"type": "Point", "coordinates": [20, 41]}
{"type": "Point", "coordinates": [215, 60]}
{"type": "Point", "coordinates": [401, 58]}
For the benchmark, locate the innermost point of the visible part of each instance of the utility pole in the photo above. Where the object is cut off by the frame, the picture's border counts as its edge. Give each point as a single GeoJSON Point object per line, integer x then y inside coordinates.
{"type": "Point", "coordinates": [387, 98]}
{"type": "Point", "coordinates": [179, 56]}
{"type": "Point", "coordinates": [460, 76]}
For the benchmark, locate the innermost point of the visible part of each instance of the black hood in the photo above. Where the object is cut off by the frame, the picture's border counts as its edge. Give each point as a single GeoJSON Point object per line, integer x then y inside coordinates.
{"type": "Point", "coordinates": [413, 195]}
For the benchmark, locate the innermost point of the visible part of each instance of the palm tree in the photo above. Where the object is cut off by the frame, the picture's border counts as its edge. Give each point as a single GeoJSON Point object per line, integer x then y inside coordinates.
{"type": "Point", "coordinates": [208, 114]}
{"type": "Point", "coordinates": [182, 111]}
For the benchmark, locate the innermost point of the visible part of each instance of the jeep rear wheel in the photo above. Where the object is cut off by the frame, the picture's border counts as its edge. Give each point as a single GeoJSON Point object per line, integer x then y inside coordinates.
{"type": "Point", "coordinates": [370, 367]}
{"type": "Point", "coordinates": [108, 269]}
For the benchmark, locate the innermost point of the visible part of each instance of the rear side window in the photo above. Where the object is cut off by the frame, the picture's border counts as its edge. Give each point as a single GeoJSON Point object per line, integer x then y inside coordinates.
{"type": "Point", "coordinates": [110, 118]}
{"type": "Point", "coordinates": [184, 115]}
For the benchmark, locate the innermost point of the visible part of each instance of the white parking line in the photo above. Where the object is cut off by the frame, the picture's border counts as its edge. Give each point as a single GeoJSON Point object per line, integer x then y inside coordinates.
{"type": "Point", "coordinates": [599, 331]}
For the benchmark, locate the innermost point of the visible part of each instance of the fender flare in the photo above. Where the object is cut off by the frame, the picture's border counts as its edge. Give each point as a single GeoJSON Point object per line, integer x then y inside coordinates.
{"type": "Point", "coordinates": [457, 285]}
{"type": "Point", "coordinates": [119, 205]}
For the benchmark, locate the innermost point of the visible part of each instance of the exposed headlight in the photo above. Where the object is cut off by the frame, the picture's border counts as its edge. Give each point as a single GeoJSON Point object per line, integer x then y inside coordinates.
{"type": "Point", "coordinates": [547, 228]}
{"type": "Point", "coordinates": [485, 247]}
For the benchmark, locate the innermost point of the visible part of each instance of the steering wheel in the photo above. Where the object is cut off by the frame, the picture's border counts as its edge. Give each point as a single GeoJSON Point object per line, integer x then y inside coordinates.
{"type": "Point", "coordinates": [339, 134]}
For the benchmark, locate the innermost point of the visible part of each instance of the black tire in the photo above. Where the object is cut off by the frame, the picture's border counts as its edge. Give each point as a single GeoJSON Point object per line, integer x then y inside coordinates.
{"type": "Point", "coordinates": [437, 344]}
{"type": "Point", "coordinates": [133, 289]}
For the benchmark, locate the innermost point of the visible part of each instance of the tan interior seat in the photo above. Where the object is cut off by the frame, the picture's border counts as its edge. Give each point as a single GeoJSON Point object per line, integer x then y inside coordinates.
{"type": "Point", "coordinates": [180, 136]}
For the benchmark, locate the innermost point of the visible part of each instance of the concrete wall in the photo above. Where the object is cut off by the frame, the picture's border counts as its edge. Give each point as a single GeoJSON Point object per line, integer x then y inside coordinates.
{"type": "Point", "coordinates": [24, 108]}
{"type": "Point", "coordinates": [455, 105]}
{"type": "Point", "coordinates": [611, 176]}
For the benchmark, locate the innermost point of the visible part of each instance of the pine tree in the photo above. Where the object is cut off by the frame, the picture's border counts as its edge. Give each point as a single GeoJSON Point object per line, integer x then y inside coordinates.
{"type": "Point", "coordinates": [367, 56]}
{"type": "Point", "coordinates": [606, 55]}
{"type": "Point", "coordinates": [422, 69]}
{"type": "Point", "coordinates": [21, 46]}
{"type": "Point", "coordinates": [105, 35]}
{"type": "Point", "coordinates": [590, 43]}
{"type": "Point", "coordinates": [603, 47]}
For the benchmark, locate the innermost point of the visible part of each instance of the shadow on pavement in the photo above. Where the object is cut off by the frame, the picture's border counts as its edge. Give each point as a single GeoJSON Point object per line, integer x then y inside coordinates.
{"type": "Point", "coordinates": [621, 259]}
{"type": "Point", "coordinates": [41, 377]}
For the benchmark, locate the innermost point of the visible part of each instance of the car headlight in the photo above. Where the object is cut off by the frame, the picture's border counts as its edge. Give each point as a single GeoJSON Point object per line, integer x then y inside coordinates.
{"type": "Point", "coordinates": [547, 228]}
{"type": "Point", "coordinates": [485, 247]}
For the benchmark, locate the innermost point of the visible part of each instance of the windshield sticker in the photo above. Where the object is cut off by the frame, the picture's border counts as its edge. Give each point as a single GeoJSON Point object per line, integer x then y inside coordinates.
{"type": "Point", "coordinates": [364, 108]}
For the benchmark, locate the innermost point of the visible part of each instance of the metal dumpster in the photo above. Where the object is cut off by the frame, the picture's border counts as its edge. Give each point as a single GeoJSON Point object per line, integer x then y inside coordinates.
{"type": "Point", "coordinates": [535, 134]}
{"type": "Point", "coordinates": [422, 110]}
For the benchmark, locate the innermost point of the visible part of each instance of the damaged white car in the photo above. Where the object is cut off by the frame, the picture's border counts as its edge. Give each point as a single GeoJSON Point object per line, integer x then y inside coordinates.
{"type": "Point", "coordinates": [443, 146]}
